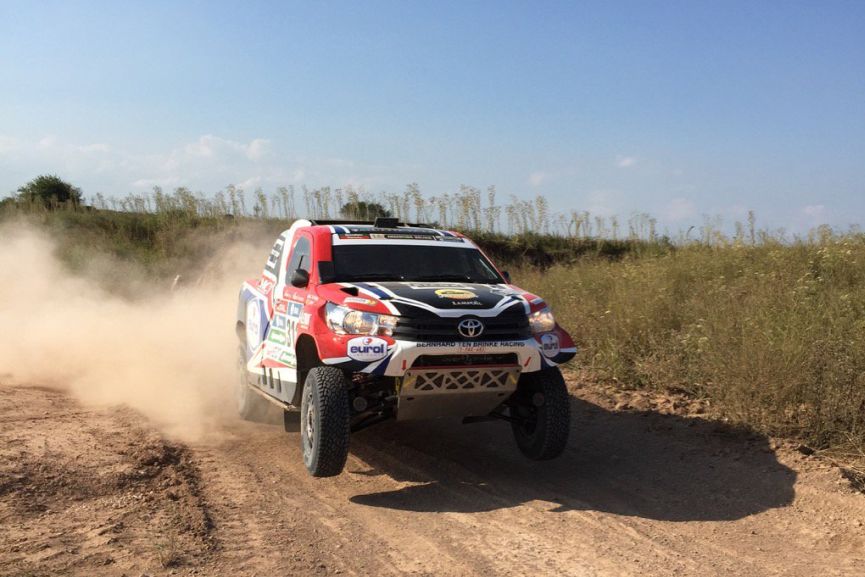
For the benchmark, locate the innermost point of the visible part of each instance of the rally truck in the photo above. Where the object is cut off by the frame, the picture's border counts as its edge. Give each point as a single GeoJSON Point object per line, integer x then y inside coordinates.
{"type": "Point", "coordinates": [357, 323]}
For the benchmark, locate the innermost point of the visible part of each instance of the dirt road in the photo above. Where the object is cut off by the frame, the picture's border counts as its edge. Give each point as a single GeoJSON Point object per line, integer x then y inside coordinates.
{"type": "Point", "coordinates": [98, 492]}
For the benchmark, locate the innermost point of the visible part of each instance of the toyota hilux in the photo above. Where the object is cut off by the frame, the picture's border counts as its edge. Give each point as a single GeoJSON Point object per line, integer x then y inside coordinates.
{"type": "Point", "coordinates": [355, 323]}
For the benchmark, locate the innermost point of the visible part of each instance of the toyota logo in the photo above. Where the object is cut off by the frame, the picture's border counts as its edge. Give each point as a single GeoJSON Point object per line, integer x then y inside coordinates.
{"type": "Point", "coordinates": [470, 328]}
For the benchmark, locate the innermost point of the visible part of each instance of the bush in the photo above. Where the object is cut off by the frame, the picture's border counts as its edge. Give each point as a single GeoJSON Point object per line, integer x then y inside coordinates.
{"type": "Point", "coordinates": [49, 191]}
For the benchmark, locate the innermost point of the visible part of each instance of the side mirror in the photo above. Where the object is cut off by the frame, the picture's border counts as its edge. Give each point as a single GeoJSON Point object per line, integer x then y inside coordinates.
{"type": "Point", "coordinates": [507, 276]}
{"type": "Point", "coordinates": [299, 278]}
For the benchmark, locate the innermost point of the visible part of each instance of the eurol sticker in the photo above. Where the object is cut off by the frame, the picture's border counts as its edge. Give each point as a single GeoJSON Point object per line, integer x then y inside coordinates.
{"type": "Point", "coordinates": [550, 345]}
{"type": "Point", "coordinates": [367, 349]}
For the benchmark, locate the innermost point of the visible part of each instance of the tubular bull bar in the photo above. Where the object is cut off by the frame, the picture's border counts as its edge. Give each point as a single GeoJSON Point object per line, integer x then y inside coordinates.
{"type": "Point", "coordinates": [430, 392]}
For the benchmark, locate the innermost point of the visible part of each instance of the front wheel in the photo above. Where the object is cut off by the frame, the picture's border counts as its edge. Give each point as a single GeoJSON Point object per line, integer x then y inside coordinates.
{"type": "Point", "coordinates": [542, 414]}
{"type": "Point", "coordinates": [324, 421]}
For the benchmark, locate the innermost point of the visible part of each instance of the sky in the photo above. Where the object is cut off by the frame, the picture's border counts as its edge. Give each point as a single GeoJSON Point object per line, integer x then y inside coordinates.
{"type": "Point", "coordinates": [681, 109]}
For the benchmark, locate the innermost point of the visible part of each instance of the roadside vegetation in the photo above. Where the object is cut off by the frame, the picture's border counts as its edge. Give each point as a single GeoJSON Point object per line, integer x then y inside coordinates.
{"type": "Point", "coordinates": [769, 329]}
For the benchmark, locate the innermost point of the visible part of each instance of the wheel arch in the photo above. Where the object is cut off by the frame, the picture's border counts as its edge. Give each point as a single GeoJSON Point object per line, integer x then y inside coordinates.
{"type": "Point", "coordinates": [306, 352]}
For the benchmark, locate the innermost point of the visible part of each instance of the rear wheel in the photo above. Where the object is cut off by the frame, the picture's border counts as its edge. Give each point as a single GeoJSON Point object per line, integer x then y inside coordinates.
{"type": "Point", "coordinates": [542, 414]}
{"type": "Point", "coordinates": [324, 421]}
{"type": "Point", "coordinates": [250, 405]}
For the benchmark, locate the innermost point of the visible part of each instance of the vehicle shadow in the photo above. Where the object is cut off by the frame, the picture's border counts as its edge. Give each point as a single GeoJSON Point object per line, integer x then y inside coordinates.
{"type": "Point", "coordinates": [642, 464]}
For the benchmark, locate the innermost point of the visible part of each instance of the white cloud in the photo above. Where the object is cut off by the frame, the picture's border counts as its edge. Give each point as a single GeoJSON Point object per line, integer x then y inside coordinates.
{"type": "Point", "coordinates": [96, 147]}
{"type": "Point", "coordinates": [537, 178]}
{"type": "Point", "coordinates": [625, 161]}
{"type": "Point", "coordinates": [7, 144]}
{"type": "Point", "coordinates": [679, 209]}
{"type": "Point", "coordinates": [258, 149]}
{"type": "Point", "coordinates": [207, 163]}
{"type": "Point", "coordinates": [250, 183]}
{"type": "Point", "coordinates": [814, 211]}
{"type": "Point", "coordinates": [604, 203]}
{"type": "Point", "coordinates": [813, 215]}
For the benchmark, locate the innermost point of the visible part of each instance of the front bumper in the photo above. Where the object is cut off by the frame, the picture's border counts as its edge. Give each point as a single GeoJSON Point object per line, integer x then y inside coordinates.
{"type": "Point", "coordinates": [532, 354]}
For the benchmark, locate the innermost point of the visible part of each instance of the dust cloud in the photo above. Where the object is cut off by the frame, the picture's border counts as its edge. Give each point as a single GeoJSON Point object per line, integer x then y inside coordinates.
{"type": "Point", "coordinates": [170, 355]}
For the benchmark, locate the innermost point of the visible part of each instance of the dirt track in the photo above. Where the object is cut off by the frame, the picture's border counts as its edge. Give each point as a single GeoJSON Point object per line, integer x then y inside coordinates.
{"type": "Point", "coordinates": [98, 492]}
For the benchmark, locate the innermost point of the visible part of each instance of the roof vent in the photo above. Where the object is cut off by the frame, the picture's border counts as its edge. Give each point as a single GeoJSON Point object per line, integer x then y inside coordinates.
{"type": "Point", "coordinates": [386, 222]}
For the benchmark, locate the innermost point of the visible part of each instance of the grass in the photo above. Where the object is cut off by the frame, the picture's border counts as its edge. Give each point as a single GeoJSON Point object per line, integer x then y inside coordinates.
{"type": "Point", "coordinates": [773, 335]}
{"type": "Point", "coordinates": [769, 330]}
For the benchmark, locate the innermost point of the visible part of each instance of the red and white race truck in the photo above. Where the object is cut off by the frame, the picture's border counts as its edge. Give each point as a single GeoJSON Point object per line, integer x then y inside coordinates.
{"type": "Point", "coordinates": [355, 323]}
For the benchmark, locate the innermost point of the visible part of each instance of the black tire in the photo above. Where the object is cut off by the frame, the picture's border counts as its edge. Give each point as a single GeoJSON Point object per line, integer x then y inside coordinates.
{"type": "Point", "coordinates": [542, 410]}
{"type": "Point", "coordinates": [324, 421]}
{"type": "Point", "coordinates": [250, 405]}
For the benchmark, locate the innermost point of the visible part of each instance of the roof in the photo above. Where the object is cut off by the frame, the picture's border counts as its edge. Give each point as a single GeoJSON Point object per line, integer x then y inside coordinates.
{"type": "Point", "coordinates": [351, 232]}
{"type": "Point", "coordinates": [361, 227]}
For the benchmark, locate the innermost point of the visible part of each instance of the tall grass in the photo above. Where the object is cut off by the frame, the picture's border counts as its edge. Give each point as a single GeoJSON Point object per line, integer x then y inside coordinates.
{"type": "Point", "coordinates": [468, 208]}
{"type": "Point", "coordinates": [772, 334]}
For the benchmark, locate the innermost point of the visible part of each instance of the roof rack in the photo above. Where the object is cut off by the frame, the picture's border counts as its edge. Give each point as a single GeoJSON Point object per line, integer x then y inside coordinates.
{"type": "Point", "coordinates": [315, 221]}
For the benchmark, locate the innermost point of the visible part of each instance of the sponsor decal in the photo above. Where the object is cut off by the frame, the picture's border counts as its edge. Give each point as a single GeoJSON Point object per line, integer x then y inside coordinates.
{"type": "Point", "coordinates": [456, 294]}
{"type": "Point", "coordinates": [402, 236]}
{"type": "Point", "coordinates": [277, 336]}
{"type": "Point", "coordinates": [275, 257]}
{"type": "Point", "coordinates": [272, 351]}
{"type": "Point", "coordinates": [287, 357]}
{"type": "Point", "coordinates": [433, 285]}
{"type": "Point", "coordinates": [311, 299]}
{"type": "Point", "coordinates": [253, 324]}
{"type": "Point", "coordinates": [294, 309]}
{"type": "Point", "coordinates": [304, 320]}
{"type": "Point", "coordinates": [366, 349]}
{"type": "Point", "coordinates": [471, 348]}
{"type": "Point", "coordinates": [550, 345]}
{"type": "Point", "coordinates": [359, 301]}
{"type": "Point", "coordinates": [458, 345]}
{"type": "Point", "coordinates": [510, 344]}
{"type": "Point", "coordinates": [504, 291]}
{"type": "Point", "coordinates": [281, 306]}
{"type": "Point", "coordinates": [265, 285]}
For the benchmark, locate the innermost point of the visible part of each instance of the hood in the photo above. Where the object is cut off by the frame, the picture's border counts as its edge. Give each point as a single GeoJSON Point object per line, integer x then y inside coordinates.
{"type": "Point", "coordinates": [412, 298]}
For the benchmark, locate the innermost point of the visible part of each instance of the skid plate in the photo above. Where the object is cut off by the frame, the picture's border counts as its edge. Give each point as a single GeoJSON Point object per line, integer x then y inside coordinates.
{"type": "Point", "coordinates": [432, 392]}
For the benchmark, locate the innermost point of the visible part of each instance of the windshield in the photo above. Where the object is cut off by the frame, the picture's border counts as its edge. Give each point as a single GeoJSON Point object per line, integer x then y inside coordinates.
{"type": "Point", "coordinates": [396, 262]}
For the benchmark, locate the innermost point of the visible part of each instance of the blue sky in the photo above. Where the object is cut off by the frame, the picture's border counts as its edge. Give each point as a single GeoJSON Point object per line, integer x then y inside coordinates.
{"type": "Point", "coordinates": [676, 108]}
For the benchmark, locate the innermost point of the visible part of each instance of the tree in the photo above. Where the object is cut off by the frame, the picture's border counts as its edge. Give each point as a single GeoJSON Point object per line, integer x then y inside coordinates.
{"type": "Point", "coordinates": [362, 210]}
{"type": "Point", "coordinates": [49, 190]}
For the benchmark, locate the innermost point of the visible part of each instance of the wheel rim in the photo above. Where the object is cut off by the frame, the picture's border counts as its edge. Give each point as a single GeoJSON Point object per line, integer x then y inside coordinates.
{"type": "Point", "coordinates": [310, 422]}
{"type": "Point", "coordinates": [530, 416]}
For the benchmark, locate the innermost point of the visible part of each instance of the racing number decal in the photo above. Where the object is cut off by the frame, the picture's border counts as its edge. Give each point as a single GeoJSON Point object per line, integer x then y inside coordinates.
{"type": "Point", "coordinates": [283, 334]}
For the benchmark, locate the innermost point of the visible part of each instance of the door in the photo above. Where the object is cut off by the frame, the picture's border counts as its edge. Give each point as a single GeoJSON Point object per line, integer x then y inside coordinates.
{"type": "Point", "coordinates": [288, 302]}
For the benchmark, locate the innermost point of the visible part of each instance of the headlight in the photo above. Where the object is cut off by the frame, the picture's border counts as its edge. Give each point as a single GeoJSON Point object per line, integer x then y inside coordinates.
{"type": "Point", "coordinates": [542, 321]}
{"type": "Point", "coordinates": [345, 321]}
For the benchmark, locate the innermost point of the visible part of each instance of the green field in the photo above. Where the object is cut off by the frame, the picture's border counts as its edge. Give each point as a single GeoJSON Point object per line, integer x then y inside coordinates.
{"type": "Point", "coordinates": [771, 332]}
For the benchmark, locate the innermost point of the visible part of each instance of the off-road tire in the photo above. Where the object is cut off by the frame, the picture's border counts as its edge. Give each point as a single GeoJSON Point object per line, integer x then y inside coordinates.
{"type": "Point", "coordinates": [541, 431]}
{"type": "Point", "coordinates": [250, 405]}
{"type": "Point", "coordinates": [324, 421]}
